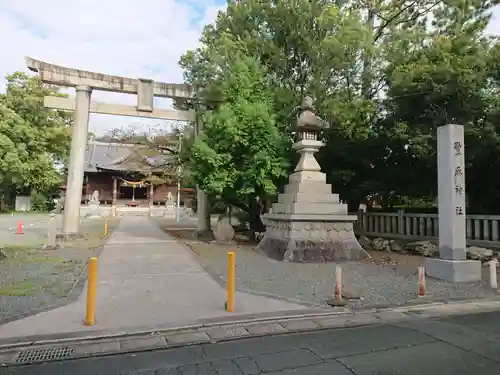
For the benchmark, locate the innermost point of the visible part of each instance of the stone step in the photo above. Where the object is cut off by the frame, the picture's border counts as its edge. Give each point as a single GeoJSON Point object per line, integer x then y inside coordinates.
{"type": "Point", "coordinates": [308, 198]}
{"type": "Point", "coordinates": [307, 176]}
{"type": "Point", "coordinates": [308, 187]}
{"type": "Point", "coordinates": [310, 208]}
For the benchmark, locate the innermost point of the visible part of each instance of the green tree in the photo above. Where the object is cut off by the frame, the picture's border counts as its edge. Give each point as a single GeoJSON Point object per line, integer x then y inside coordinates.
{"type": "Point", "coordinates": [239, 156]}
{"type": "Point", "coordinates": [442, 75]}
{"type": "Point", "coordinates": [32, 138]}
{"type": "Point", "coordinates": [327, 49]}
{"type": "Point", "coordinates": [384, 73]}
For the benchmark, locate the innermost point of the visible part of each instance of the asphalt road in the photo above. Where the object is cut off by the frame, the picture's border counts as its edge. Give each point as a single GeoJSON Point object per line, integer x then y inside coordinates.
{"type": "Point", "coordinates": [458, 345]}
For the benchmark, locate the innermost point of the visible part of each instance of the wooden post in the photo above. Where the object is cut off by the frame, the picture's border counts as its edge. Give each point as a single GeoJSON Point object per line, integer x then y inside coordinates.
{"type": "Point", "coordinates": [421, 281]}
{"type": "Point", "coordinates": [115, 192]}
{"type": "Point", "coordinates": [91, 292]}
{"type": "Point", "coordinates": [151, 197]}
{"type": "Point", "coordinates": [231, 281]}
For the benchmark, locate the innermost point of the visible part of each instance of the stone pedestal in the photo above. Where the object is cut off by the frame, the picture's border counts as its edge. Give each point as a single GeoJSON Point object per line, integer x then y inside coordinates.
{"type": "Point", "coordinates": [94, 211]}
{"type": "Point", "coordinates": [456, 271]}
{"type": "Point", "coordinates": [223, 231]}
{"type": "Point", "coordinates": [169, 211]}
{"type": "Point", "coordinates": [308, 223]}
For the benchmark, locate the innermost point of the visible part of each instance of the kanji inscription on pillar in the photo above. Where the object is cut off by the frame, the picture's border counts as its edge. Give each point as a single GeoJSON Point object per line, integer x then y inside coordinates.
{"type": "Point", "coordinates": [459, 179]}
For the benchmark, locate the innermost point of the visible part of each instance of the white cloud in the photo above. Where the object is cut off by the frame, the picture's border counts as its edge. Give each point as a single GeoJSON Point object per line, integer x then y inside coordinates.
{"type": "Point", "coordinates": [494, 26]}
{"type": "Point", "coordinates": [132, 38]}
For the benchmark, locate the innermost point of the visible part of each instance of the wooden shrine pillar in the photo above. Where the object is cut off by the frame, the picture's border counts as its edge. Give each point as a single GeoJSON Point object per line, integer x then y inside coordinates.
{"type": "Point", "coordinates": [151, 198]}
{"type": "Point", "coordinates": [115, 193]}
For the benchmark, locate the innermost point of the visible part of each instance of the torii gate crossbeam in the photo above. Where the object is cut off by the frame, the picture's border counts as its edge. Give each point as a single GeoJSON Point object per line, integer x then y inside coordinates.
{"type": "Point", "coordinates": [85, 82]}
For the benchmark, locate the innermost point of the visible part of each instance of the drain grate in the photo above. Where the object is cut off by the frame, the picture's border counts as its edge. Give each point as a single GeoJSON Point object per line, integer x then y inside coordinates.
{"type": "Point", "coordinates": [44, 354]}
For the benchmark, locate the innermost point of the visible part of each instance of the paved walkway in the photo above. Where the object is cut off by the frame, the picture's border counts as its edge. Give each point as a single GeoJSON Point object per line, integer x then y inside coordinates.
{"type": "Point", "coordinates": [145, 279]}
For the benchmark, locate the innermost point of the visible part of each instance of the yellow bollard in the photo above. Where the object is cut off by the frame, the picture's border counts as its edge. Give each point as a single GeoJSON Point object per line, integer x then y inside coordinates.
{"type": "Point", "coordinates": [91, 292]}
{"type": "Point", "coordinates": [105, 226]}
{"type": "Point", "coordinates": [231, 264]}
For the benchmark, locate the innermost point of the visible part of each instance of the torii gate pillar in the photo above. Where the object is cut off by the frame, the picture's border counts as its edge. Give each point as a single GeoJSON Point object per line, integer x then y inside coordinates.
{"type": "Point", "coordinates": [71, 217]}
{"type": "Point", "coordinates": [85, 82]}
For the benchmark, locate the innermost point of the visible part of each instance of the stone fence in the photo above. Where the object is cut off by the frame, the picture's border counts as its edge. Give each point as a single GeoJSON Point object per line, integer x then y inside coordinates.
{"type": "Point", "coordinates": [482, 230]}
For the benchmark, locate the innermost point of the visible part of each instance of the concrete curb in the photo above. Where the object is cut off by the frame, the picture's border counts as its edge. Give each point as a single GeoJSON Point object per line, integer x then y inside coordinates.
{"type": "Point", "coordinates": [100, 345]}
{"type": "Point", "coordinates": [139, 331]}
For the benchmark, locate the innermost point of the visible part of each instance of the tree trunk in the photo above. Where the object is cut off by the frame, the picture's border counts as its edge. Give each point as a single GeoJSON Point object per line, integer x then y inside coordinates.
{"type": "Point", "coordinates": [255, 222]}
{"type": "Point", "coordinates": [253, 211]}
{"type": "Point", "coordinates": [367, 67]}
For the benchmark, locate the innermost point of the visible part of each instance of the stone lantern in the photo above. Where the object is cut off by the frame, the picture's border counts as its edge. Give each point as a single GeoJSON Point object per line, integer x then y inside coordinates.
{"type": "Point", "coordinates": [308, 223]}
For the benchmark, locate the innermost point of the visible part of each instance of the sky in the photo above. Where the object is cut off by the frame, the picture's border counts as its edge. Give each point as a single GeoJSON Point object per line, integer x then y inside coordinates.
{"type": "Point", "coordinates": [131, 38]}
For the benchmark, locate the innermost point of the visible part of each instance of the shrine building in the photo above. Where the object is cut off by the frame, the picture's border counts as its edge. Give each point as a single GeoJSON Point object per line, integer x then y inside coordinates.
{"type": "Point", "coordinates": [130, 175]}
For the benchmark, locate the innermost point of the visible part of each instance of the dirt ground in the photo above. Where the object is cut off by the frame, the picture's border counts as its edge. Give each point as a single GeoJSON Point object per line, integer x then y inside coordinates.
{"type": "Point", "coordinates": [33, 278]}
{"type": "Point", "coordinates": [241, 242]}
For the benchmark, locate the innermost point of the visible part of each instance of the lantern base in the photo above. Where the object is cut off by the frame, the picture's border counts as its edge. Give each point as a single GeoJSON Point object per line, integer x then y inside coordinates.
{"type": "Point", "coordinates": [322, 238]}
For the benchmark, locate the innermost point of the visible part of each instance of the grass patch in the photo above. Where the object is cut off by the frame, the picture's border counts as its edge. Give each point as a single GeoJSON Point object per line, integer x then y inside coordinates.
{"type": "Point", "coordinates": [11, 251]}
{"type": "Point", "coordinates": [58, 289]}
{"type": "Point", "coordinates": [23, 255]}
{"type": "Point", "coordinates": [39, 259]}
{"type": "Point", "coordinates": [21, 288]}
{"type": "Point", "coordinates": [66, 266]}
{"type": "Point", "coordinates": [94, 237]}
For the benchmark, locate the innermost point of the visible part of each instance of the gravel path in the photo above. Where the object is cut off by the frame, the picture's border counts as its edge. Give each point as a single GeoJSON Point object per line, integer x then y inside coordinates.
{"type": "Point", "coordinates": [371, 284]}
{"type": "Point", "coordinates": [34, 280]}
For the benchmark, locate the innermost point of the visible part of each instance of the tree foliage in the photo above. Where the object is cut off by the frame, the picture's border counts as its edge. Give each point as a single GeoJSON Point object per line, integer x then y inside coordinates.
{"type": "Point", "coordinates": [172, 145]}
{"type": "Point", "coordinates": [239, 156]}
{"type": "Point", "coordinates": [384, 73]}
{"type": "Point", "coordinates": [32, 138]}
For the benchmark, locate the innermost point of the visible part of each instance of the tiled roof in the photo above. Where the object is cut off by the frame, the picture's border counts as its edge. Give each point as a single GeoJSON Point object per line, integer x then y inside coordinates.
{"type": "Point", "coordinates": [120, 157]}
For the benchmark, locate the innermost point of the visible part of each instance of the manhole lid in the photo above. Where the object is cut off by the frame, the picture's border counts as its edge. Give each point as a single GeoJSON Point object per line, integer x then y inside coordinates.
{"type": "Point", "coordinates": [44, 354]}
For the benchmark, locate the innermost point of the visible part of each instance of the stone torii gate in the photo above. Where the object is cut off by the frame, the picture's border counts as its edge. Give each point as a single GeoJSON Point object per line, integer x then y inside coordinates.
{"type": "Point", "coordinates": [84, 83]}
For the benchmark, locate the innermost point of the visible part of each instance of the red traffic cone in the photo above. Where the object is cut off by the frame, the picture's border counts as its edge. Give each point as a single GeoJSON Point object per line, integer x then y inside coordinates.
{"type": "Point", "coordinates": [20, 227]}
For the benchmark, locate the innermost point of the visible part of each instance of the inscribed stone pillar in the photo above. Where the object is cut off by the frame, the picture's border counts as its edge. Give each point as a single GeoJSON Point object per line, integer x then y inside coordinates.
{"type": "Point", "coordinates": [452, 264]}
{"type": "Point", "coordinates": [71, 218]}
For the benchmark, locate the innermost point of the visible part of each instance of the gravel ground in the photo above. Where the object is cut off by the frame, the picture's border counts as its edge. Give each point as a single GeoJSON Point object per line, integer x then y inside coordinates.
{"type": "Point", "coordinates": [33, 280]}
{"type": "Point", "coordinates": [386, 279]}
